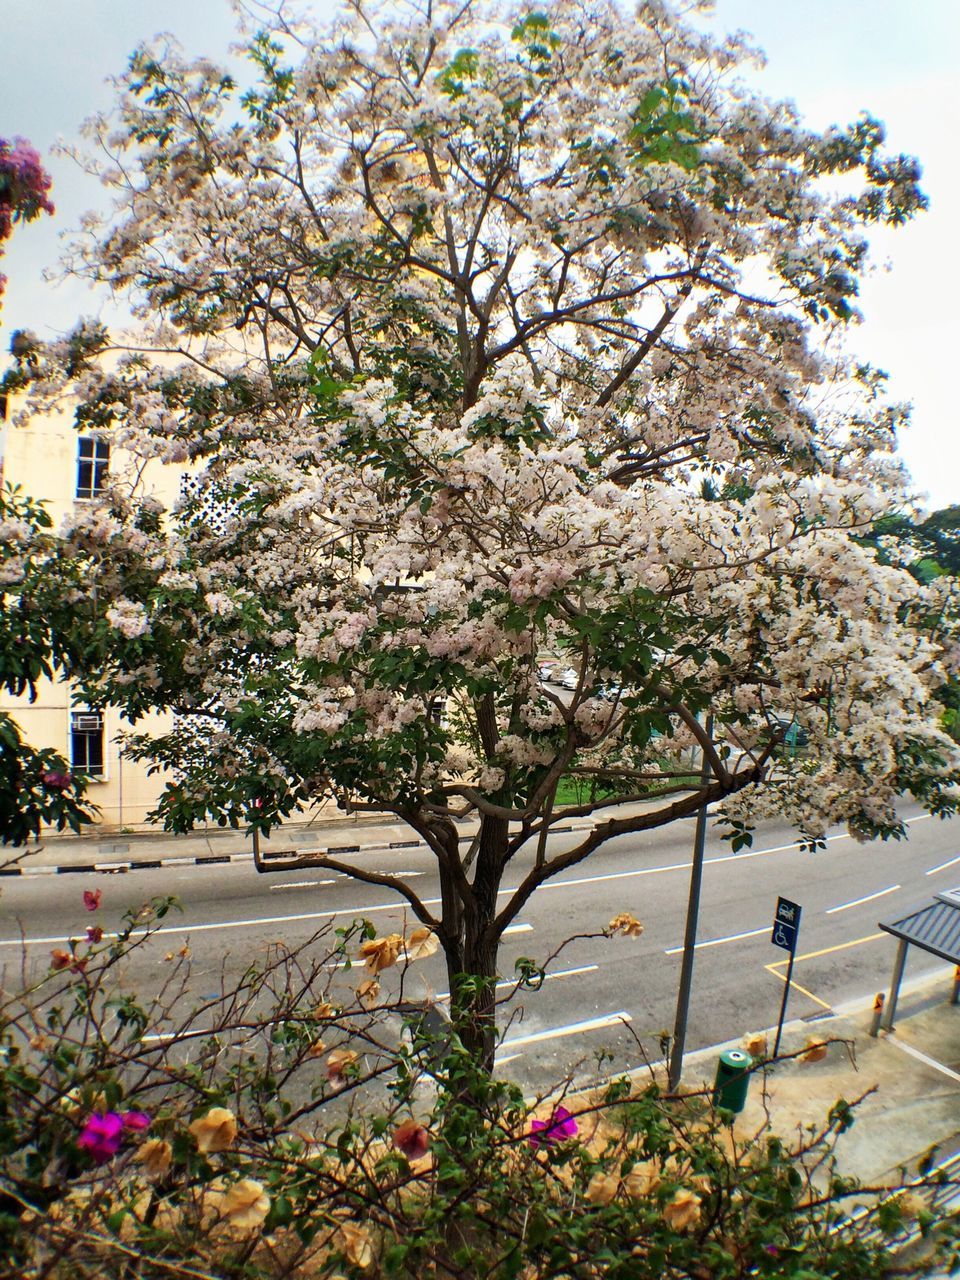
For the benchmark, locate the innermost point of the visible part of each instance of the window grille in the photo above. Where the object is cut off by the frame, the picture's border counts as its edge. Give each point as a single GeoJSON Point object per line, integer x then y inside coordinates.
{"type": "Point", "coordinates": [86, 742]}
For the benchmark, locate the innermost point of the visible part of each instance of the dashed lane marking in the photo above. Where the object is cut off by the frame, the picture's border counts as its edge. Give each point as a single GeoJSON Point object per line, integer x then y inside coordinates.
{"type": "Point", "coordinates": [943, 866]}
{"type": "Point", "coordinates": [571, 1029]}
{"type": "Point", "coordinates": [715, 942]}
{"type": "Point", "coordinates": [857, 902]}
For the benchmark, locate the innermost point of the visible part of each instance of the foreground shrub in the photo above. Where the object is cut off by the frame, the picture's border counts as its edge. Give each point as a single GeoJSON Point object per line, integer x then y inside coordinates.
{"type": "Point", "coordinates": [296, 1124]}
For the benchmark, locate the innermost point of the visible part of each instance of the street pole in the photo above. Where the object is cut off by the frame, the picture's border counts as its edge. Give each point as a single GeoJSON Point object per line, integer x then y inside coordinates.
{"type": "Point", "coordinates": [786, 992]}
{"type": "Point", "coordinates": [690, 931]}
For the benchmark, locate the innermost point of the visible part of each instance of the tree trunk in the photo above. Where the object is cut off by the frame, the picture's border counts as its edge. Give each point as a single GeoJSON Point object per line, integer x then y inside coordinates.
{"type": "Point", "coordinates": [472, 965]}
{"type": "Point", "coordinates": [473, 1002]}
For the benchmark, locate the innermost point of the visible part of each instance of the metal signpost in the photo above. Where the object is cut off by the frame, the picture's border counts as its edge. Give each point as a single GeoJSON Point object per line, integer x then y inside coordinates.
{"type": "Point", "coordinates": [786, 926]}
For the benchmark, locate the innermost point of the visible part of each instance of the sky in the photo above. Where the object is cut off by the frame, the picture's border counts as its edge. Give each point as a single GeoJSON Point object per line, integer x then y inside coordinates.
{"type": "Point", "coordinates": [831, 57]}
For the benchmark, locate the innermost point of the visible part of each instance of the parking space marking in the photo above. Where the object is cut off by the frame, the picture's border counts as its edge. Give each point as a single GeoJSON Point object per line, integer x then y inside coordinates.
{"type": "Point", "coordinates": [775, 967]}
{"type": "Point", "coordinates": [795, 986]}
{"type": "Point", "coordinates": [840, 946]}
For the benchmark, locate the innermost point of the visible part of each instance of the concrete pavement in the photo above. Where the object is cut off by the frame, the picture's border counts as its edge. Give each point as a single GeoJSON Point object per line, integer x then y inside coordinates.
{"type": "Point", "coordinates": [910, 1076]}
{"type": "Point", "coordinates": [906, 1125]}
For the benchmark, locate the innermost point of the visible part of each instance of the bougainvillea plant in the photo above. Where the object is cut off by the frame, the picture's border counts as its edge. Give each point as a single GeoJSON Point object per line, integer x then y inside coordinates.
{"type": "Point", "coordinates": [24, 188]}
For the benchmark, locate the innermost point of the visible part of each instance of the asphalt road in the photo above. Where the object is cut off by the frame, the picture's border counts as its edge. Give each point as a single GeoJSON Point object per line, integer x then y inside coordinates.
{"type": "Point", "coordinates": [600, 995]}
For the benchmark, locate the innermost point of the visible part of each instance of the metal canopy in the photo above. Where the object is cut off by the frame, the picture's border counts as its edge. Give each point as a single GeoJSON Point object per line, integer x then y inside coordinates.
{"type": "Point", "coordinates": [934, 928]}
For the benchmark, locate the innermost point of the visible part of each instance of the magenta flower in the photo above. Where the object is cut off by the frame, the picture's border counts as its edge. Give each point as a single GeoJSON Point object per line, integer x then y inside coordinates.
{"type": "Point", "coordinates": [558, 1128]}
{"type": "Point", "coordinates": [91, 898]}
{"type": "Point", "coordinates": [136, 1121]}
{"type": "Point", "coordinates": [101, 1136]}
{"type": "Point", "coordinates": [94, 933]}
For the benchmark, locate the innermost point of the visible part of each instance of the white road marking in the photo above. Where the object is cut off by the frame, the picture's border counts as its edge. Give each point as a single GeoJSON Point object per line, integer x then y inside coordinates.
{"type": "Point", "coordinates": [676, 866]}
{"type": "Point", "coordinates": [845, 906]}
{"type": "Point", "coordinates": [242, 924]}
{"type": "Point", "coordinates": [432, 902]}
{"type": "Point", "coordinates": [715, 942]}
{"type": "Point", "coordinates": [571, 1029]}
{"type": "Point", "coordinates": [943, 866]}
{"type": "Point", "coordinates": [561, 973]}
{"type": "Point", "coordinates": [300, 884]}
{"type": "Point", "coordinates": [684, 866]}
{"type": "Point", "coordinates": [922, 1057]}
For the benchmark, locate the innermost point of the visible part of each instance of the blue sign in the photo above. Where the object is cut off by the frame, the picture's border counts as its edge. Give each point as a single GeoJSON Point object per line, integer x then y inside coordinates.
{"type": "Point", "coordinates": [786, 925]}
{"type": "Point", "coordinates": [784, 936]}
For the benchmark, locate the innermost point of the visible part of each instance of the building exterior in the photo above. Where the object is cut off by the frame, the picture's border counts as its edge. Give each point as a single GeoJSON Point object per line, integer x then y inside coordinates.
{"type": "Point", "coordinates": [49, 460]}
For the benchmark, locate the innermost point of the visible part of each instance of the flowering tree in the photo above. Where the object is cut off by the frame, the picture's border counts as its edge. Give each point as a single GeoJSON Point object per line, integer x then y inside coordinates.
{"type": "Point", "coordinates": [484, 335]}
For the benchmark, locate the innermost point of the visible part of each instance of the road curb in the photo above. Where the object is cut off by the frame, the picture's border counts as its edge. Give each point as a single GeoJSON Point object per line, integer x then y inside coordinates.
{"type": "Point", "coordinates": [295, 856]}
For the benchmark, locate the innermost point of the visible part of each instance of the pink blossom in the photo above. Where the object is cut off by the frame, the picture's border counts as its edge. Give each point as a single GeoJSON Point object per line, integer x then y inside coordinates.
{"type": "Point", "coordinates": [558, 1128]}
{"type": "Point", "coordinates": [101, 1136]}
{"type": "Point", "coordinates": [136, 1121]}
{"type": "Point", "coordinates": [94, 933]}
{"type": "Point", "coordinates": [91, 898]}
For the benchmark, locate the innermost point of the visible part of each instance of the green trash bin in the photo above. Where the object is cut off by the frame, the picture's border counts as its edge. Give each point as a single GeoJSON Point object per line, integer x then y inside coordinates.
{"type": "Point", "coordinates": [733, 1080]}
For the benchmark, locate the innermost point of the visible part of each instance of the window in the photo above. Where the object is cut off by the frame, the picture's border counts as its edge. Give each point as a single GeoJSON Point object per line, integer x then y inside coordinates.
{"type": "Point", "coordinates": [92, 458]}
{"type": "Point", "coordinates": [86, 742]}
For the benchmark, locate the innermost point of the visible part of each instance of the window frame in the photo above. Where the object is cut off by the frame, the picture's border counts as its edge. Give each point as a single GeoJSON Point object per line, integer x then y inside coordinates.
{"type": "Point", "coordinates": [88, 736]}
{"type": "Point", "coordinates": [93, 461]}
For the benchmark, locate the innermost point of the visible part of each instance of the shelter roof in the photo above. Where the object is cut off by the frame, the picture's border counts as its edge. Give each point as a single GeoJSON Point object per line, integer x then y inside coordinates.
{"type": "Point", "coordinates": [934, 927]}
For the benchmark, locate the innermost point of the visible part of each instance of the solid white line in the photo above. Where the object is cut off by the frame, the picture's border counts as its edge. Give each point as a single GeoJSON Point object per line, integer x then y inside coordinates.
{"type": "Point", "coordinates": [572, 1029]}
{"type": "Point", "coordinates": [922, 1057]}
{"type": "Point", "coordinates": [845, 906]}
{"type": "Point", "coordinates": [943, 866]}
{"type": "Point", "coordinates": [300, 884]}
{"type": "Point", "coordinates": [715, 942]}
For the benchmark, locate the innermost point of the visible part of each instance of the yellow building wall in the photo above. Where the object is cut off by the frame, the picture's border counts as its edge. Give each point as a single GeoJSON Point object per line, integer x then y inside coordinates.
{"type": "Point", "coordinates": [41, 459]}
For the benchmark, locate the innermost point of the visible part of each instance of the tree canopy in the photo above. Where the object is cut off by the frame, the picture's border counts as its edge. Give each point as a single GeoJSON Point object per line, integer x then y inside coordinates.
{"type": "Point", "coordinates": [449, 314]}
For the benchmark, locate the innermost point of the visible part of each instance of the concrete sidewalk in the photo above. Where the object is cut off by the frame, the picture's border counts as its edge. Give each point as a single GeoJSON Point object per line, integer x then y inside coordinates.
{"type": "Point", "coordinates": [911, 1077]}
{"type": "Point", "coordinates": [149, 850]}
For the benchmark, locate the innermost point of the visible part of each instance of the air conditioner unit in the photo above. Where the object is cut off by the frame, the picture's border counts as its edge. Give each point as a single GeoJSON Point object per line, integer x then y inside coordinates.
{"type": "Point", "coordinates": [87, 722]}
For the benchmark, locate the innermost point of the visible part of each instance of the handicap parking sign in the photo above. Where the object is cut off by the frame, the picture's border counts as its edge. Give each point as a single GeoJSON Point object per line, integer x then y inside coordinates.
{"type": "Point", "coordinates": [786, 924]}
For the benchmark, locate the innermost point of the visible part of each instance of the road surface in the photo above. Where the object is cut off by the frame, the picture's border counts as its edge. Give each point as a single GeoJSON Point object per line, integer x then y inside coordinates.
{"type": "Point", "coordinates": [601, 995]}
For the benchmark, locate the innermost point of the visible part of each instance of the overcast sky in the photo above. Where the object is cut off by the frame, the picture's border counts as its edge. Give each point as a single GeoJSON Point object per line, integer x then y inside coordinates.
{"type": "Point", "coordinates": [831, 57]}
